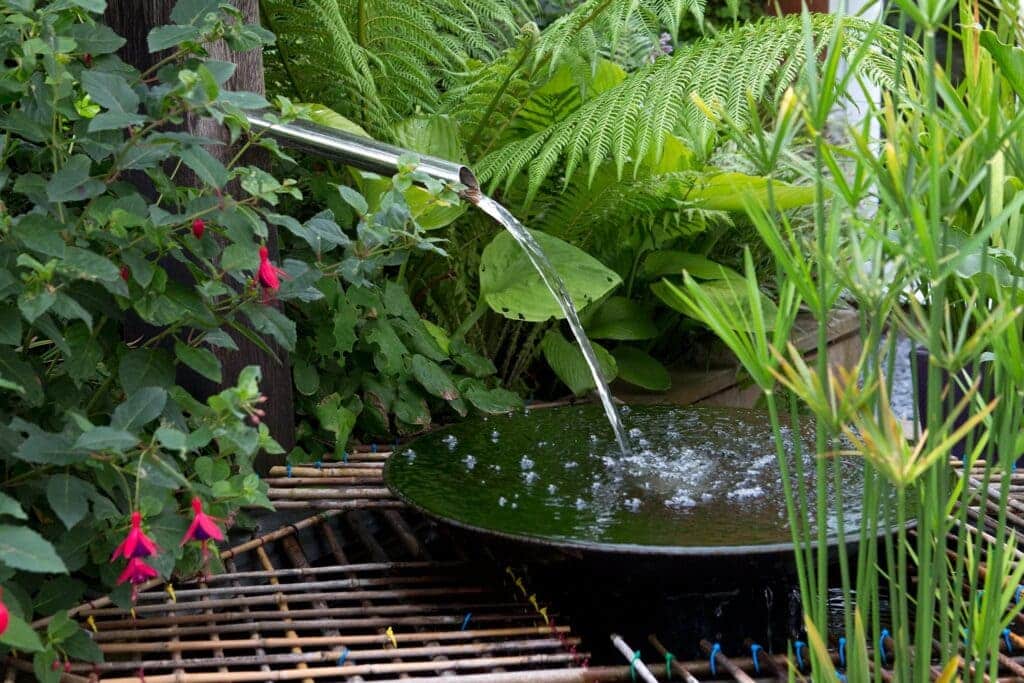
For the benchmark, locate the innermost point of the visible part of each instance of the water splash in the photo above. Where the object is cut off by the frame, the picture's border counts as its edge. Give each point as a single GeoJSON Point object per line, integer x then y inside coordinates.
{"type": "Point", "coordinates": [558, 290]}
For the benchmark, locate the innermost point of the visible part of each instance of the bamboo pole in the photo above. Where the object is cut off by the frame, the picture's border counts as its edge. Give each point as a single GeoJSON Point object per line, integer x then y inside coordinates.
{"type": "Point", "coordinates": [371, 493]}
{"type": "Point", "coordinates": [327, 641]}
{"type": "Point", "coordinates": [726, 663]}
{"type": "Point", "coordinates": [635, 663]}
{"type": "Point", "coordinates": [676, 666]}
{"type": "Point", "coordinates": [261, 553]}
{"type": "Point", "coordinates": [306, 673]}
{"type": "Point", "coordinates": [332, 655]}
{"type": "Point", "coordinates": [339, 505]}
{"type": "Point", "coordinates": [260, 652]}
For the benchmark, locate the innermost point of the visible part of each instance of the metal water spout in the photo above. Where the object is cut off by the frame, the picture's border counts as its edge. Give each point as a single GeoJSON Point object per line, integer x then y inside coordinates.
{"type": "Point", "coordinates": [363, 153]}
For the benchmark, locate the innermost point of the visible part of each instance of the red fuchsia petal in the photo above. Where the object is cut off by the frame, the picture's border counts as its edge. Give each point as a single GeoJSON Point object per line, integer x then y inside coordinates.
{"type": "Point", "coordinates": [5, 616]}
{"type": "Point", "coordinates": [126, 274]}
{"type": "Point", "coordinates": [136, 572]}
{"type": "Point", "coordinates": [208, 529]}
{"type": "Point", "coordinates": [198, 228]}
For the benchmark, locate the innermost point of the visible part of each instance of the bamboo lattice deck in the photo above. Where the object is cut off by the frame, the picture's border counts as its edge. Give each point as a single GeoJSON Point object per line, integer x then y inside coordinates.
{"type": "Point", "coordinates": [366, 590]}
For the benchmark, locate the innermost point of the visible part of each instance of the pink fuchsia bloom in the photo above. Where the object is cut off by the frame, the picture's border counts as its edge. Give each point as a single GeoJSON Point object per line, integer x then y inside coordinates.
{"type": "Point", "coordinates": [136, 543]}
{"type": "Point", "coordinates": [203, 528]}
{"type": "Point", "coordinates": [135, 573]}
{"type": "Point", "coordinates": [198, 228]}
{"type": "Point", "coordinates": [5, 616]}
{"type": "Point", "coordinates": [268, 276]}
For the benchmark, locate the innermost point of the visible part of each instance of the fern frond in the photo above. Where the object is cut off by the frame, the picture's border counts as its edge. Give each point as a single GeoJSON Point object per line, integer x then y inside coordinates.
{"type": "Point", "coordinates": [625, 122]}
{"type": "Point", "coordinates": [377, 61]}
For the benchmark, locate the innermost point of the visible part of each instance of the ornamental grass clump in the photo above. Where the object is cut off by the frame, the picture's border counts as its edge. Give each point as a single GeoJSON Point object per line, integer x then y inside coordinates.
{"type": "Point", "coordinates": [916, 223]}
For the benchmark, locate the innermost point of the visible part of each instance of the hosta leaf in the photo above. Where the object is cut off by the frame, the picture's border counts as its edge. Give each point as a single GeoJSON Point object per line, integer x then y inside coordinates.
{"type": "Point", "coordinates": [512, 287]}
{"type": "Point", "coordinates": [567, 361]}
{"type": "Point", "coordinates": [493, 401]}
{"type": "Point", "coordinates": [667, 262]}
{"type": "Point", "coordinates": [732, 191]}
{"type": "Point", "coordinates": [726, 294]}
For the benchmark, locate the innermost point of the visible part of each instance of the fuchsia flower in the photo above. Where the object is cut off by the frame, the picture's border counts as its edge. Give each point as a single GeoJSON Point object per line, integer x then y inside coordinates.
{"type": "Point", "coordinates": [126, 274]}
{"type": "Point", "coordinates": [135, 573]}
{"type": "Point", "coordinates": [5, 616]}
{"type": "Point", "coordinates": [203, 528]}
{"type": "Point", "coordinates": [198, 228]}
{"type": "Point", "coordinates": [268, 276]}
{"type": "Point", "coordinates": [136, 543]}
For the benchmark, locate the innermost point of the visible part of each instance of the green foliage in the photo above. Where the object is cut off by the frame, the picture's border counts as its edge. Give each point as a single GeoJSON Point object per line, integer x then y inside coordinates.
{"type": "Point", "coordinates": [366, 362]}
{"type": "Point", "coordinates": [93, 422]}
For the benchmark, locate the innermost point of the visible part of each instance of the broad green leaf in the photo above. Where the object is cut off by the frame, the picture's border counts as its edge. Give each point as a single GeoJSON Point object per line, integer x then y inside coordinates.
{"type": "Point", "coordinates": [95, 39]}
{"type": "Point", "coordinates": [200, 359]}
{"type": "Point", "coordinates": [106, 439]}
{"type": "Point", "coordinates": [440, 336]}
{"type": "Point", "coordinates": [206, 167]}
{"type": "Point", "coordinates": [1009, 59]}
{"type": "Point", "coordinates": [667, 262]}
{"type": "Point", "coordinates": [321, 232]}
{"type": "Point", "coordinates": [473, 363]}
{"type": "Point", "coordinates": [11, 507]}
{"type": "Point", "coordinates": [512, 287]}
{"type": "Point", "coordinates": [237, 257]}
{"type": "Point", "coordinates": [139, 409]}
{"type": "Point", "coordinates": [732, 191]}
{"type": "Point", "coordinates": [306, 377]}
{"type": "Point", "coordinates": [145, 368]}
{"type": "Point", "coordinates": [49, 449]}
{"type": "Point", "coordinates": [10, 327]}
{"type": "Point", "coordinates": [110, 90]}
{"type": "Point", "coordinates": [568, 363]}
{"type": "Point", "coordinates": [345, 320]}
{"type": "Point", "coordinates": [81, 647]}
{"type": "Point", "coordinates": [354, 199]}
{"type": "Point", "coordinates": [73, 182]}
{"type": "Point", "coordinates": [433, 378]}
{"type": "Point", "coordinates": [272, 322]}
{"type": "Point", "coordinates": [639, 368]}
{"type": "Point", "coordinates": [411, 408]}
{"type": "Point", "coordinates": [436, 135]}
{"type": "Point", "coordinates": [22, 548]}
{"type": "Point", "coordinates": [163, 37]}
{"type": "Point", "coordinates": [34, 304]}
{"type": "Point", "coordinates": [621, 318]}
{"type": "Point", "coordinates": [58, 593]}
{"type": "Point", "coordinates": [325, 116]}
{"type": "Point", "coordinates": [172, 439]}
{"type": "Point", "coordinates": [20, 636]}
{"type": "Point", "coordinates": [490, 401]}
{"type": "Point", "coordinates": [392, 352]}
{"type": "Point", "coordinates": [14, 369]}
{"type": "Point", "coordinates": [336, 418]}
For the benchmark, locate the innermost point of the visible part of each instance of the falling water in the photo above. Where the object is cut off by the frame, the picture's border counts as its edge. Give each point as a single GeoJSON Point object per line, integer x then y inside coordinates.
{"type": "Point", "coordinates": [557, 288]}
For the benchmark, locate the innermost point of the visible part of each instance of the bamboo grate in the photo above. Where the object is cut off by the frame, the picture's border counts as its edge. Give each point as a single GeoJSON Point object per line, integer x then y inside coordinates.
{"type": "Point", "coordinates": [367, 590]}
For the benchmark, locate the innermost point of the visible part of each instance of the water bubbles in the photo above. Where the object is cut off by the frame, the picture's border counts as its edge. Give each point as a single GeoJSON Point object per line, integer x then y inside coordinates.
{"type": "Point", "coordinates": [746, 493]}
{"type": "Point", "coordinates": [469, 461]}
{"type": "Point", "coordinates": [450, 441]}
{"type": "Point", "coordinates": [593, 438]}
{"type": "Point", "coordinates": [515, 505]}
{"type": "Point", "coordinates": [572, 464]}
{"type": "Point", "coordinates": [496, 468]}
{"type": "Point", "coordinates": [529, 477]}
{"type": "Point", "coordinates": [503, 501]}
{"type": "Point", "coordinates": [526, 463]}
{"type": "Point", "coordinates": [410, 455]}
{"type": "Point", "coordinates": [495, 436]}
{"type": "Point", "coordinates": [581, 504]}
{"type": "Point", "coordinates": [633, 504]}
{"type": "Point", "coordinates": [635, 433]}
{"type": "Point", "coordinates": [680, 501]}
{"type": "Point", "coordinates": [552, 488]}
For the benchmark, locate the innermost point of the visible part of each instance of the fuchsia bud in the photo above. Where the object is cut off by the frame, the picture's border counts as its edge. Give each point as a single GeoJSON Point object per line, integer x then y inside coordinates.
{"type": "Point", "coordinates": [126, 274]}
{"type": "Point", "coordinates": [203, 528]}
{"type": "Point", "coordinates": [198, 228]}
{"type": "Point", "coordinates": [268, 276]}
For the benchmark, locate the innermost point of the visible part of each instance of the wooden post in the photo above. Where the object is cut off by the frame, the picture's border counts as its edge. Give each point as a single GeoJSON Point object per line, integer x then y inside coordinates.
{"type": "Point", "coordinates": [134, 19]}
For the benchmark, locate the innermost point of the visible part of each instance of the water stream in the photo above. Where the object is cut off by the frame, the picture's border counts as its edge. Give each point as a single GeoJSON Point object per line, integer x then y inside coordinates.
{"type": "Point", "coordinates": [558, 290]}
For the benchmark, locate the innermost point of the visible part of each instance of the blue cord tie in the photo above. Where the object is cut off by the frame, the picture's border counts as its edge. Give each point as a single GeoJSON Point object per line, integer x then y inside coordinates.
{"type": "Point", "coordinates": [979, 596]}
{"type": "Point", "coordinates": [799, 647]}
{"type": "Point", "coordinates": [465, 622]}
{"type": "Point", "coordinates": [288, 470]}
{"type": "Point", "coordinates": [373, 448]}
{"type": "Point", "coordinates": [668, 665]}
{"type": "Point", "coordinates": [1006, 639]}
{"type": "Point", "coordinates": [632, 665]}
{"type": "Point", "coordinates": [715, 649]}
{"type": "Point", "coordinates": [343, 657]}
{"type": "Point", "coordinates": [753, 655]}
{"type": "Point", "coordinates": [344, 456]}
{"type": "Point", "coordinates": [842, 677]}
{"type": "Point", "coordinates": [842, 652]}
{"type": "Point", "coordinates": [319, 465]}
{"type": "Point", "coordinates": [881, 643]}
{"type": "Point", "coordinates": [967, 636]}
{"type": "Point", "coordinates": [1016, 593]}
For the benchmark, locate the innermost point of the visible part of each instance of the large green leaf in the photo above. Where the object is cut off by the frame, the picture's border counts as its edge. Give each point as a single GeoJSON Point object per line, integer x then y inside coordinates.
{"type": "Point", "coordinates": [726, 294]}
{"type": "Point", "coordinates": [669, 262]}
{"type": "Point", "coordinates": [22, 548]}
{"type": "Point", "coordinates": [433, 378]}
{"type": "Point", "coordinates": [731, 192]}
{"type": "Point", "coordinates": [20, 636]}
{"type": "Point", "coordinates": [621, 318]}
{"type": "Point", "coordinates": [567, 361]}
{"type": "Point", "coordinates": [1009, 59]}
{"type": "Point", "coordinates": [512, 287]}
{"type": "Point", "coordinates": [69, 498]}
{"type": "Point", "coordinates": [639, 368]}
